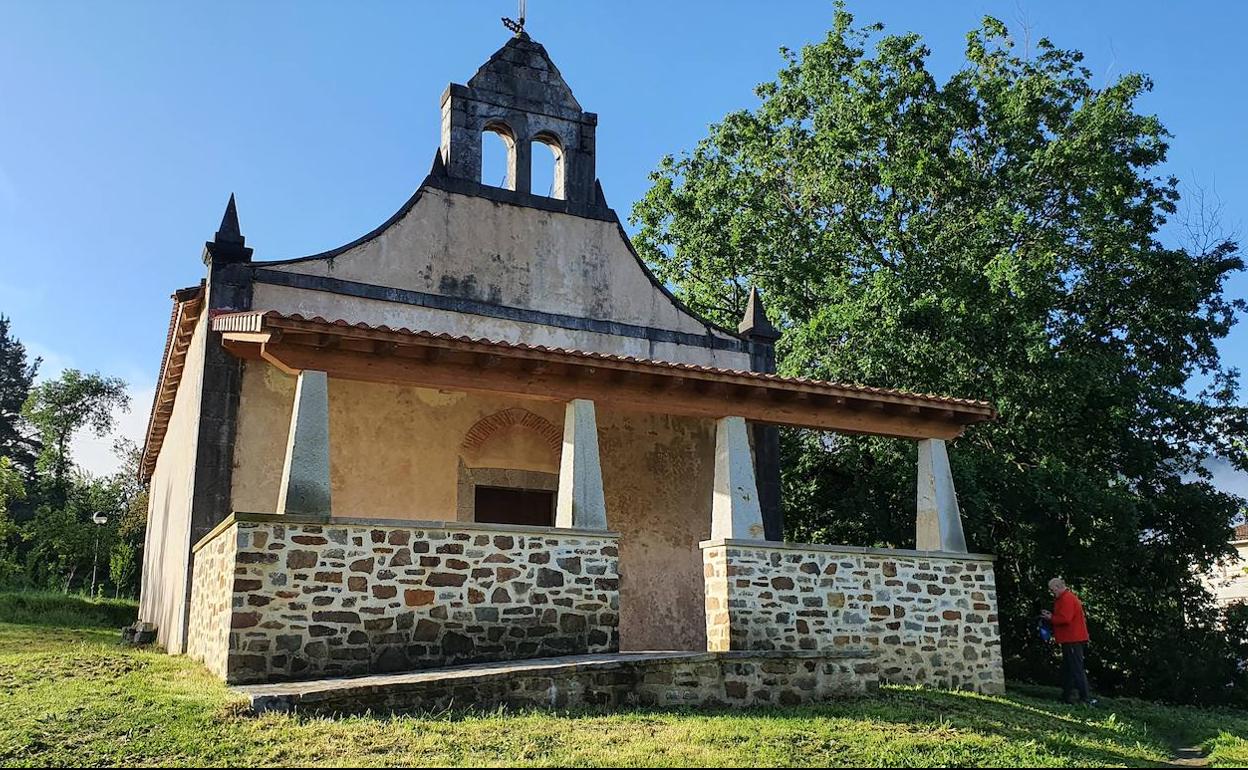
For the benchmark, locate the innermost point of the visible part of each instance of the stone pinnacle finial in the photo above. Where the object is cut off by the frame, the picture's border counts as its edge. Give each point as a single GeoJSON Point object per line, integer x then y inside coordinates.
{"type": "Point", "coordinates": [229, 231]}
{"type": "Point", "coordinates": [755, 323]}
{"type": "Point", "coordinates": [228, 245]}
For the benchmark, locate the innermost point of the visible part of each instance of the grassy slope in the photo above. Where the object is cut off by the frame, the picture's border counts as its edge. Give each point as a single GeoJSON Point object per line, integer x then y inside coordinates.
{"type": "Point", "coordinates": [71, 696]}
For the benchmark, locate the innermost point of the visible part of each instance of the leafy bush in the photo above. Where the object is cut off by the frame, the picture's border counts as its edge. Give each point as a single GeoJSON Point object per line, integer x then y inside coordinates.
{"type": "Point", "coordinates": [39, 608]}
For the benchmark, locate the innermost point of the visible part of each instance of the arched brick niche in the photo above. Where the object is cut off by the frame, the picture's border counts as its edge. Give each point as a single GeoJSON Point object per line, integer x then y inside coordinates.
{"type": "Point", "coordinates": [489, 426]}
{"type": "Point", "coordinates": [511, 449]}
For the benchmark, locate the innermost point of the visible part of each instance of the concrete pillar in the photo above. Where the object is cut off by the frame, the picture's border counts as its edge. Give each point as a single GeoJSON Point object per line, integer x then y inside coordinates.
{"type": "Point", "coordinates": [580, 502]}
{"type": "Point", "coordinates": [762, 336]}
{"type": "Point", "coordinates": [735, 510]}
{"type": "Point", "coordinates": [939, 522]}
{"type": "Point", "coordinates": [305, 474]}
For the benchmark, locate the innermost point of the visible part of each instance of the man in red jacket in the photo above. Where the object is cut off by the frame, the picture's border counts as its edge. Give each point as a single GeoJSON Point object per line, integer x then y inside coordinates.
{"type": "Point", "coordinates": [1070, 630]}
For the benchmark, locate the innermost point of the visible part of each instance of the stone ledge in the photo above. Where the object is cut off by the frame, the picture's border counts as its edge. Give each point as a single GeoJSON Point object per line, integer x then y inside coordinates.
{"type": "Point", "coordinates": [771, 545]}
{"type": "Point", "coordinates": [574, 680]}
{"type": "Point", "coordinates": [340, 521]}
{"type": "Point", "coordinates": [463, 674]}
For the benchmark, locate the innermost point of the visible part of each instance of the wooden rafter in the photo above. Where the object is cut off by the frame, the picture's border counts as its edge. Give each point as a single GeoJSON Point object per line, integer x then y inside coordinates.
{"type": "Point", "coordinates": [379, 354]}
{"type": "Point", "coordinates": [188, 304]}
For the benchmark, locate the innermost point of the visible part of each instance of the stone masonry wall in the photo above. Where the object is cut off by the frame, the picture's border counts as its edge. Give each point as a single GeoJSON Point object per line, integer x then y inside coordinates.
{"type": "Point", "coordinates": [212, 604]}
{"type": "Point", "coordinates": [930, 618]}
{"type": "Point", "coordinates": [313, 600]}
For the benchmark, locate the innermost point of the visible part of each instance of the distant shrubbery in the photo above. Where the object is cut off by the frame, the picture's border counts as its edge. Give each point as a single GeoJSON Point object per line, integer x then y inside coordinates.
{"type": "Point", "coordinates": [46, 608]}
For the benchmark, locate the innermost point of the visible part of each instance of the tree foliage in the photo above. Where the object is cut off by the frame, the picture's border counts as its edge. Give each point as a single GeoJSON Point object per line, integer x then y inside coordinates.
{"type": "Point", "coordinates": [59, 408]}
{"type": "Point", "coordinates": [48, 538]}
{"type": "Point", "coordinates": [16, 376]}
{"type": "Point", "coordinates": [12, 489]}
{"type": "Point", "coordinates": [999, 235]}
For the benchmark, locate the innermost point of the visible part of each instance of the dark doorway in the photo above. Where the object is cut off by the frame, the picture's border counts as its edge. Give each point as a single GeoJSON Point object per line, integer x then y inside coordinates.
{"type": "Point", "coordinates": [500, 505]}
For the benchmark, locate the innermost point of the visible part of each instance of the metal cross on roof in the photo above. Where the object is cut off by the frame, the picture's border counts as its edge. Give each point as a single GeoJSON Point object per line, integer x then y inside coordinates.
{"type": "Point", "coordinates": [516, 25]}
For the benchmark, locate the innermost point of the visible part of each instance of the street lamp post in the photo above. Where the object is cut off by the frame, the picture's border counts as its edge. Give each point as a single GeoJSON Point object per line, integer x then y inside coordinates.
{"type": "Point", "coordinates": [100, 520]}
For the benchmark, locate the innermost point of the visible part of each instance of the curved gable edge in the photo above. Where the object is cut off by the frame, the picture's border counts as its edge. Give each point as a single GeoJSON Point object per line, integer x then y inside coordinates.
{"type": "Point", "coordinates": [437, 179]}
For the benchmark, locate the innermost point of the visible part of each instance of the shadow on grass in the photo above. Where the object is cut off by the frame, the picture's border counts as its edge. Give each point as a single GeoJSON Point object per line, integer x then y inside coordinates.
{"type": "Point", "coordinates": [1121, 733]}
{"type": "Point", "coordinates": [1106, 735]}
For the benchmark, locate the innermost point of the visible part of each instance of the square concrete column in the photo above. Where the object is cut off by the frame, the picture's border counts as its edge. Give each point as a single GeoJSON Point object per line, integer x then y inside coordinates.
{"type": "Point", "coordinates": [939, 521]}
{"type": "Point", "coordinates": [580, 502]}
{"type": "Point", "coordinates": [735, 510]}
{"type": "Point", "coordinates": [305, 474]}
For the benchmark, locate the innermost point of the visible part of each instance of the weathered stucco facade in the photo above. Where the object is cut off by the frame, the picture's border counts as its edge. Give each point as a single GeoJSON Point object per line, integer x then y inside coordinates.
{"type": "Point", "coordinates": [559, 276]}
{"type": "Point", "coordinates": [398, 450]}
{"type": "Point", "coordinates": [401, 454]}
{"type": "Point", "coordinates": [485, 432]}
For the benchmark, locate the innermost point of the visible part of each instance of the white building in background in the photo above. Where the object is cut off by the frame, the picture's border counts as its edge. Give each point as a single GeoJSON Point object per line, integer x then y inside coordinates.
{"type": "Point", "coordinates": [1229, 581]}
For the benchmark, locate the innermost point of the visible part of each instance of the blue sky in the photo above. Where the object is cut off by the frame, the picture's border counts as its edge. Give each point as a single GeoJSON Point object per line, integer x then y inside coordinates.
{"type": "Point", "coordinates": [124, 126]}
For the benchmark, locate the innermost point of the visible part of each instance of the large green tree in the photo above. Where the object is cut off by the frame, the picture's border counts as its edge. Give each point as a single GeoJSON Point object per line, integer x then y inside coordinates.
{"type": "Point", "coordinates": [63, 547]}
{"type": "Point", "coordinates": [59, 408]}
{"type": "Point", "coordinates": [12, 490]}
{"type": "Point", "coordinates": [1000, 234]}
{"type": "Point", "coordinates": [16, 376]}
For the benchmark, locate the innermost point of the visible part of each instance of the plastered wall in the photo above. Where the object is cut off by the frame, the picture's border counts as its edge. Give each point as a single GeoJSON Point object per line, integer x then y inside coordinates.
{"type": "Point", "coordinates": [167, 544]}
{"type": "Point", "coordinates": [519, 257]}
{"type": "Point", "coordinates": [394, 451]}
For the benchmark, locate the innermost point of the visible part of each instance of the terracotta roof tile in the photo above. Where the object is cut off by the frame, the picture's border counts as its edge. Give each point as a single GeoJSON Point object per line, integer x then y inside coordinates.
{"type": "Point", "coordinates": [253, 321]}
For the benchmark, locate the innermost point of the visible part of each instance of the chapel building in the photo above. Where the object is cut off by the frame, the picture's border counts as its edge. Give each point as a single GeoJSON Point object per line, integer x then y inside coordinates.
{"type": "Point", "coordinates": [484, 431]}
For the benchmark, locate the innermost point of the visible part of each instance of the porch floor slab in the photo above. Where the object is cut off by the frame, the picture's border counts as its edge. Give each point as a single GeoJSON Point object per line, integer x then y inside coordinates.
{"type": "Point", "coordinates": [661, 678]}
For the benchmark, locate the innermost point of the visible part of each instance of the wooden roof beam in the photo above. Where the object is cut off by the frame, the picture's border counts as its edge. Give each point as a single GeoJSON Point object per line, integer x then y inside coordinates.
{"type": "Point", "coordinates": [704, 399]}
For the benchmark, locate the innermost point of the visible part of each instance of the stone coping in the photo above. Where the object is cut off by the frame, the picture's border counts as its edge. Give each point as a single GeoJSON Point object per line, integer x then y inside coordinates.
{"type": "Point", "coordinates": [471, 526]}
{"type": "Point", "coordinates": [477, 672]}
{"type": "Point", "coordinates": [771, 545]}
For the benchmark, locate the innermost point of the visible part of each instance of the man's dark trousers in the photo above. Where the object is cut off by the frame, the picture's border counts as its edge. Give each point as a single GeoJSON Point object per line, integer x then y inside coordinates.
{"type": "Point", "coordinates": [1075, 679]}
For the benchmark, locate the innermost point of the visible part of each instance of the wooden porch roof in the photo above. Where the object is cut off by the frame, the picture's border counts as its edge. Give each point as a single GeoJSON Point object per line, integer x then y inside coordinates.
{"type": "Point", "coordinates": [381, 354]}
{"type": "Point", "coordinates": [187, 305]}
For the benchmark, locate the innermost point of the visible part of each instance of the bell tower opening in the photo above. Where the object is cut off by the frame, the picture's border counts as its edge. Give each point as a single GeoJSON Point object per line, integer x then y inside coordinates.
{"type": "Point", "coordinates": [498, 156]}
{"type": "Point", "coordinates": [547, 174]}
{"type": "Point", "coordinates": [520, 97]}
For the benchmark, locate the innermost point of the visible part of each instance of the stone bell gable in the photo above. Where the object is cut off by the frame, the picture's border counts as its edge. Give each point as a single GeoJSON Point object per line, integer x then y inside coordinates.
{"type": "Point", "coordinates": [520, 95]}
{"type": "Point", "coordinates": [506, 263]}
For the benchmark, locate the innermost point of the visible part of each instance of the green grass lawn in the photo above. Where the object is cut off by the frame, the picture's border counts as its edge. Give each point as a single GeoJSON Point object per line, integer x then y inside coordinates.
{"type": "Point", "coordinates": [73, 696]}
